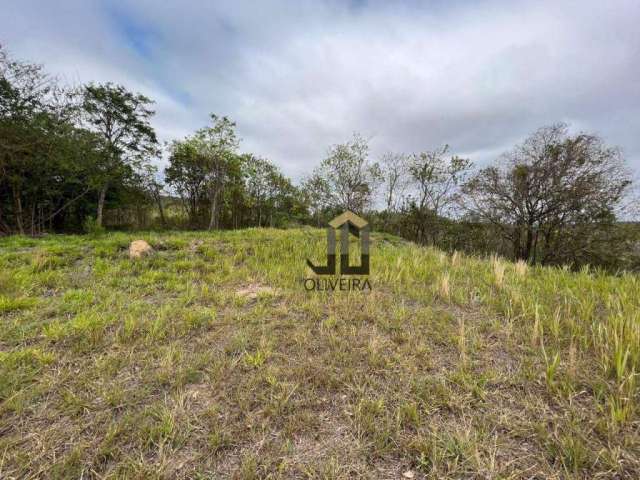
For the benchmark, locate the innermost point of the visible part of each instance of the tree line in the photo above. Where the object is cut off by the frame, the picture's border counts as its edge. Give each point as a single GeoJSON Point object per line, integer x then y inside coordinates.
{"type": "Point", "coordinates": [82, 158]}
{"type": "Point", "coordinates": [85, 157]}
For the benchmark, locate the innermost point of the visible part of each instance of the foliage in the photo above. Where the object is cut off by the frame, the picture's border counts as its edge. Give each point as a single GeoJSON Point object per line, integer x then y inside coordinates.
{"type": "Point", "coordinates": [554, 197]}
{"type": "Point", "coordinates": [121, 119]}
{"type": "Point", "coordinates": [236, 189]}
{"type": "Point", "coordinates": [434, 180]}
{"type": "Point", "coordinates": [46, 160]}
{"type": "Point", "coordinates": [91, 227]}
{"type": "Point", "coordinates": [346, 177]}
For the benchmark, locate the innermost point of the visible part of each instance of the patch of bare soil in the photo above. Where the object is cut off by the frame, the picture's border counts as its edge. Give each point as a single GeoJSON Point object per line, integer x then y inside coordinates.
{"type": "Point", "coordinates": [254, 290]}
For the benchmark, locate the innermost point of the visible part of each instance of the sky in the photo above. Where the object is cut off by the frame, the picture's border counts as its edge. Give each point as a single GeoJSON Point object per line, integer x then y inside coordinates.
{"type": "Point", "coordinates": [298, 76]}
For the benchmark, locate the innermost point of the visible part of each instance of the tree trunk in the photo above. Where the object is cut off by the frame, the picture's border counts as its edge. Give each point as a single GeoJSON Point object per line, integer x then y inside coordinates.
{"type": "Point", "coordinates": [4, 228]}
{"type": "Point", "coordinates": [529, 243]}
{"type": "Point", "coordinates": [161, 209]}
{"type": "Point", "coordinates": [214, 210]}
{"type": "Point", "coordinates": [33, 219]}
{"type": "Point", "coordinates": [516, 243]}
{"type": "Point", "coordinates": [101, 198]}
{"type": "Point", "coordinates": [18, 204]}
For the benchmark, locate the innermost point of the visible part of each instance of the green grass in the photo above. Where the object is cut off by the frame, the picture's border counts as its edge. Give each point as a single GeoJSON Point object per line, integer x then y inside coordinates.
{"type": "Point", "coordinates": [210, 360]}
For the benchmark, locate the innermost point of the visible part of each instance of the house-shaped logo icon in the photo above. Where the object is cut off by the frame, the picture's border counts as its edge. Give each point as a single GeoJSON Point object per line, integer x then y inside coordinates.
{"type": "Point", "coordinates": [348, 223]}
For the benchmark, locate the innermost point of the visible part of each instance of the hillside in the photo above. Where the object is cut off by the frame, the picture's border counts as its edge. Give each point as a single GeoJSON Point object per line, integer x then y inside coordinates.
{"type": "Point", "coordinates": [210, 359]}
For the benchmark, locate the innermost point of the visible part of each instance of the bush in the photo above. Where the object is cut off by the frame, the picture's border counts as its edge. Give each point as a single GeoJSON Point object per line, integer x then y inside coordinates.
{"type": "Point", "coordinates": [91, 227]}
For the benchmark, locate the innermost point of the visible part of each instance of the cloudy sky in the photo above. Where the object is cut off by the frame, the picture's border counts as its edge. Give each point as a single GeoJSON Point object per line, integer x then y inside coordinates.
{"type": "Point", "coordinates": [298, 76]}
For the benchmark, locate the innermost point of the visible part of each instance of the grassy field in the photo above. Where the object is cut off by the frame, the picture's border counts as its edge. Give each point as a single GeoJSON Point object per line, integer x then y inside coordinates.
{"type": "Point", "coordinates": [210, 360]}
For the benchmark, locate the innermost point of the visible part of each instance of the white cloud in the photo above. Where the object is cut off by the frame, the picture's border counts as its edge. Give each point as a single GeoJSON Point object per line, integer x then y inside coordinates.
{"type": "Point", "coordinates": [299, 76]}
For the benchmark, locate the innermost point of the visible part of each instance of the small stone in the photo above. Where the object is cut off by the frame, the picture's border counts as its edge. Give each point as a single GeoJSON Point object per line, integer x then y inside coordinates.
{"type": "Point", "coordinates": [409, 474]}
{"type": "Point", "coordinates": [139, 249]}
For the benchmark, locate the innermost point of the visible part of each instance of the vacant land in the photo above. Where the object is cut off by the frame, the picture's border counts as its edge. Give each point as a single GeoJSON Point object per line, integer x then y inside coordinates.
{"type": "Point", "coordinates": [210, 360]}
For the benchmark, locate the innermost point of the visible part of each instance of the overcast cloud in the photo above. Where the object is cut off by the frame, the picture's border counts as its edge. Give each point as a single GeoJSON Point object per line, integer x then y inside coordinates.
{"type": "Point", "coordinates": [299, 76]}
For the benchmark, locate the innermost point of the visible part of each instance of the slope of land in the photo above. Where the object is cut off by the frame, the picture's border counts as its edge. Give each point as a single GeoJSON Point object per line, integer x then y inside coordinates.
{"type": "Point", "coordinates": [210, 360]}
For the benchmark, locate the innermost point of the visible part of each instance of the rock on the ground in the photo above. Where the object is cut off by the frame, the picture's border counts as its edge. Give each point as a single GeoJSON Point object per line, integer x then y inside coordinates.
{"type": "Point", "coordinates": [139, 248]}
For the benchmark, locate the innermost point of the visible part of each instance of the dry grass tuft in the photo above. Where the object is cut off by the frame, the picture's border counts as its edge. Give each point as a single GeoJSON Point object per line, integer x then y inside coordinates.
{"type": "Point", "coordinates": [521, 267]}
{"type": "Point", "coordinates": [499, 268]}
{"type": "Point", "coordinates": [444, 289]}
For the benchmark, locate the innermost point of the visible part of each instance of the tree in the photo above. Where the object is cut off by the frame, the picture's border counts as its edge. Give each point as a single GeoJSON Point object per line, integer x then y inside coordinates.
{"type": "Point", "coordinates": [200, 166]}
{"type": "Point", "coordinates": [349, 176]}
{"type": "Point", "coordinates": [186, 174]}
{"type": "Point", "coordinates": [395, 172]}
{"type": "Point", "coordinates": [216, 145]}
{"type": "Point", "coordinates": [316, 194]}
{"type": "Point", "coordinates": [153, 188]}
{"type": "Point", "coordinates": [45, 159]}
{"type": "Point", "coordinates": [67, 172]}
{"type": "Point", "coordinates": [121, 118]}
{"type": "Point", "coordinates": [435, 179]}
{"type": "Point", "coordinates": [270, 195]}
{"type": "Point", "coordinates": [261, 184]}
{"type": "Point", "coordinates": [551, 196]}
{"type": "Point", "coordinates": [24, 90]}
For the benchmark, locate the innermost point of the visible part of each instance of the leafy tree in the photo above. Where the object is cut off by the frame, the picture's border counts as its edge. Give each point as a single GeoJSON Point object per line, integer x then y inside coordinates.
{"type": "Point", "coordinates": [122, 119]}
{"type": "Point", "coordinates": [435, 178]}
{"type": "Point", "coordinates": [260, 186]}
{"type": "Point", "coordinates": [200, 166]}
{"type": "Point", "coordinates": [395, 173]}
{"type": "Point", "coordinates": [67, 172]}
{"type": "Point", "coordinates": [267, 189]}
{"type": "Point", "coordinates": [24, 89]}
{"type": "Point", "coordinates": [216, 147]}
{"type": "Point", "coordinates": [186, 174]}
{"type": "Point", "coordinates": [45, 158]}
{"type": "Point", "coordinates": [552, 196]}
{"type": "Point", "coordinates": [153, 188]}
{"type": "Point", "coordinates": [316, 194]}
{"type": "Point", "coordinates": [396, 180]}
{"type": "Point", "coordinates": [272, 196]}
{"type": "Point", "coordinates": [349, 176]}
